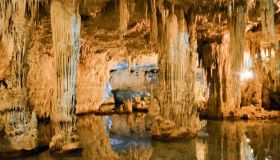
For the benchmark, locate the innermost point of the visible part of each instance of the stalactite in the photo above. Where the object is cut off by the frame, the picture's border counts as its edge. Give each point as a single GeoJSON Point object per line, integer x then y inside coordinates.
{"type": "Point", "coordinates": [65, 23]}
{"type": "Point", "coordinates": [124, 16]}
{"type": "Point", "coordinates": [16, 11]}
{"type": "Point", "coordinates": [154, 28]}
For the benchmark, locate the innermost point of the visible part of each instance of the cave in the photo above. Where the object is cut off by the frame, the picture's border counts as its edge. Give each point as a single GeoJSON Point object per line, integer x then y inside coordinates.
{"type": "Point", "coordinates": [140, 79]}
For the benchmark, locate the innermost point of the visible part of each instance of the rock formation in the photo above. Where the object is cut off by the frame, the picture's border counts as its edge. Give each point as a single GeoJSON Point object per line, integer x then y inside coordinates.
{"type": "Point", "coordinates": [56, 56]}
{"type": "Point", "coordinates": [65, 23]}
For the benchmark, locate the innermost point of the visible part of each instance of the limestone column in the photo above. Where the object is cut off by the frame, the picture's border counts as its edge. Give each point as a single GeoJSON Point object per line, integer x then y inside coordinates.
{"type": "Point", "coordinates": [177, 63]}
{"type": "Point", "coordinates": [237, 43]}
{"type": "Point", "coordinates": [65, 24]}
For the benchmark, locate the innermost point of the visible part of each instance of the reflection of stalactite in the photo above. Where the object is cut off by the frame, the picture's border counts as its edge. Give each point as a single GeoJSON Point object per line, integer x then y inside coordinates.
{"type": "Point", "coordinates": [228, 138]}
{"type": "Point", "coordinates": [225, 138]}
{"type": "Point", "coordinates": [65, 22]}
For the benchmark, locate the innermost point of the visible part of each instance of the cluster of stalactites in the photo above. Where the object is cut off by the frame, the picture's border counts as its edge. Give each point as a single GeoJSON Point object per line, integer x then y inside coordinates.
{"type": "Point", "coordinates": [65, 23]}
{"type": "Point", "coordinates": [16, 17]}
{"type": "Point", "coordinates": [20, 8]}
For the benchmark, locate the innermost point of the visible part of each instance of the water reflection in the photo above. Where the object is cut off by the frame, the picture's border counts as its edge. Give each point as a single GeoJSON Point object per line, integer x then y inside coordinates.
{"type": "Point", "coordinates": [94, 139]}
{"type": "Point", "coordinates": [238, 140]}
{"type": "Point", "coordinates": [18, 132]}
{"type": "Point", "coordinates": [129, 131]}
{"type": "Point", "coordinates": [243, 140]}
{"type": "Point", "coordinates": [129, 137]}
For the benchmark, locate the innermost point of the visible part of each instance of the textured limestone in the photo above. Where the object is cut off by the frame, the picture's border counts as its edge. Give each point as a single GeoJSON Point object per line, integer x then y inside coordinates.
{"type": "Point", "coordinates": [65, 23]}
{"type": "Point", "coordinates": [40, 80]}
{"type": "Point", "coordinates": [18, 121]}
{"type": "Point", "coordinates": [177, 63]}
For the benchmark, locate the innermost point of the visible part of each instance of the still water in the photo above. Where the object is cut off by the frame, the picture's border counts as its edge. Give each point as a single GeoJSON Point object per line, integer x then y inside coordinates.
{"type": "Point", "coordinates": [128, 137]}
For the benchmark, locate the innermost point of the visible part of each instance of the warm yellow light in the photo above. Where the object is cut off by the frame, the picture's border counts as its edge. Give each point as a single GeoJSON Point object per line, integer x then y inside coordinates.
{"type": "Point", "coordinates": [246, 75]}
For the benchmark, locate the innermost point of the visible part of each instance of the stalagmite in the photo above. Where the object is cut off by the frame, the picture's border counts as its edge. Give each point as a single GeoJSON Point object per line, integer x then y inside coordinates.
{"type": "Point", "coordinates": [65, 22]}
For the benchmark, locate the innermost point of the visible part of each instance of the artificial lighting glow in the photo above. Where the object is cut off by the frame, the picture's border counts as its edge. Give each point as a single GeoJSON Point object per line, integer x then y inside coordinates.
{"type": "Point", "coordinates": [246, 75]}
{"type": "Point", "coordinates": [252, 150]}
{"type": "Point", "coordinates": [248, 140]}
